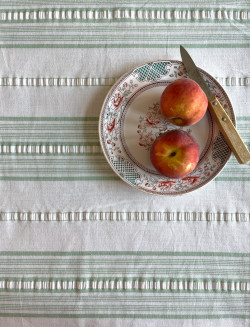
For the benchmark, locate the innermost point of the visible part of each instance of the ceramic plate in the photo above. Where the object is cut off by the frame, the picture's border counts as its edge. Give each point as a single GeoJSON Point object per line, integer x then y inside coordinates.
{"type": "Point", "coordinates": [130, 121]}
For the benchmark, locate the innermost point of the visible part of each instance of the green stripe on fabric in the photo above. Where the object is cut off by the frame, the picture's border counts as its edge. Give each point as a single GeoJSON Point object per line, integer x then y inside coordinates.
{"type": "Point", "coordinates": [66, 171]}
{"type": "Point", "coordinates": [226, 39]}
{"type": "Point", "coordinates": [125, 20]}
{"type": "Point", "coordinates": [95, 266]}
{"type": "Point", "coordinates": [124, 309]}
{"type": "Point", "coordinates": [172, 262]}
{"type": "Point", "coordinates": [54, 154]}
{"type": "Point", "coordinates": [38, 279]}
{"type": "Point", "coordinates": [131, 316]}
{"type": "Point", "coordinates": [48, 119]}
{"type": "Point", "coordinates": [124, 295]}
{"type": "Point", "coordinates": [124, 253]}
{"type": "Point", "coordinates": [126, 45]}
{"type": "Point", "coordinates": [121, 291]}
{"type": "Point", "coordinates": [107, 37]}
{"type": "Point", "coordinates": [114, 272]}
{"type": "Point", "coordinates": [224, 262]}
{"type": "Point", "coordinates": [42, 143]}
{"type": "Point", "coordinates": [89, 121]}
{"type": "Point", "coordinates": [121, 298]}
{"type": "Point", "coordinates": [74, 161]}
{"type": "Point", "coordinates": [57, 136]}
{"type": "Point", "coordinates": [232, 179]}
{"type": "Point", "coordinates": [120, 41]}
{"type": "Point", "coordinates": [117, 28]}
{"type": "Point", "coordinates": [59, 179]}
{"type": "Point", "coordinates": [46, 126]}
{"type": "Point", "coordinates": [161, 266]}
{"type": "Point", "coordinates": [88, 178]}
{"type": "Point", "coordinates": [45, 167]}
{"type": "Point", "coordinates": [243, 118]}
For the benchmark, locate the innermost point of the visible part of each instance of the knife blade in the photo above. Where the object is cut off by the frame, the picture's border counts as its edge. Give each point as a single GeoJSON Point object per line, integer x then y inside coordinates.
{"type": "Point", "coordinates": [224, 122]}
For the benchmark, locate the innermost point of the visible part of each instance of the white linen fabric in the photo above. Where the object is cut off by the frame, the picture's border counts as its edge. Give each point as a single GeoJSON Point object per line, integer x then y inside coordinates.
{"type": "Point", "coordinates": [78, 245]}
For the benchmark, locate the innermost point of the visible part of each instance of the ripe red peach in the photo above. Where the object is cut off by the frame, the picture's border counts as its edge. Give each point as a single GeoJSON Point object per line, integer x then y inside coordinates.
{"type": "Point", "coordinates": [183, 102]}
{"type": "Point", "coordinates": [175, 153]}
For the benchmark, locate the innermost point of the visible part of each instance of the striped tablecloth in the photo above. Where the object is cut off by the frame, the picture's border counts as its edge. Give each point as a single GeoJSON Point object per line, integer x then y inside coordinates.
{"type": "Point", "coordinates": [78, 246]}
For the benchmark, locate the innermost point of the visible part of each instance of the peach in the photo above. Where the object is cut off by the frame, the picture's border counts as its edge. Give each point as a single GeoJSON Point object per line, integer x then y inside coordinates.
{"type": "Point", "coordinates": [183, 102]}
{"type": "Point", "coordinates": [175, 153]}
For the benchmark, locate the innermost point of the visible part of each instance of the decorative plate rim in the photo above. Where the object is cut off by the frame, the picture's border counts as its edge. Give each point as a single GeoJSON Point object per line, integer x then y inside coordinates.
{"type": "Point", "coordinates": [104, 150]}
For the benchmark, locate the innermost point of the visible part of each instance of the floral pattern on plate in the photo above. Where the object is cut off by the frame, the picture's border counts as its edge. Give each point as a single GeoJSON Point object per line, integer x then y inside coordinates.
{"type": "Point", "coordinates": [151, 125]}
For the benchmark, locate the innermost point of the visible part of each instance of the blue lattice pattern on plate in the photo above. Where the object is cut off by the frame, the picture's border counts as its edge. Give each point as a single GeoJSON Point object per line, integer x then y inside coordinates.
{"type": "Point", "coordinates": [153, 71]}
{"type": "Point", "coordinates": [126, 170]}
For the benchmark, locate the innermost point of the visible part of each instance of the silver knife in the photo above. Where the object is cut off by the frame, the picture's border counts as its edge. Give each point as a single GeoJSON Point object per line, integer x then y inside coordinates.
{"type": "Point", "coordinates": [225, 124]}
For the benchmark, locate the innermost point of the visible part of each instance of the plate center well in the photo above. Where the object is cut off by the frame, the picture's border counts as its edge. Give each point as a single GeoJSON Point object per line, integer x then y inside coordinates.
{"type": "Point", "coordinates": [142, 122]}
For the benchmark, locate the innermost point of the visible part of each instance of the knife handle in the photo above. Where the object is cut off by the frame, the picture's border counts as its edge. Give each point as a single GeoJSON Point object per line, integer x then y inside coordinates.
{"type": "Point", "coordinates": [229, 131]}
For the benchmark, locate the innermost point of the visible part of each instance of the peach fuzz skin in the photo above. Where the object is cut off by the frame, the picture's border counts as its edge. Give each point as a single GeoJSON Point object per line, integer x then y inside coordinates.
{"type": "Point", "coordinates": [183, 102]}
{"type": "Point", "coordinates": [175, 154]}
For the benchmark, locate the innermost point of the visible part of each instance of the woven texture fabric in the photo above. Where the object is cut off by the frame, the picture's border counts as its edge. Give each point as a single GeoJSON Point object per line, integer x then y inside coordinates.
{"type": "Point", "coordinates": [79, 246]}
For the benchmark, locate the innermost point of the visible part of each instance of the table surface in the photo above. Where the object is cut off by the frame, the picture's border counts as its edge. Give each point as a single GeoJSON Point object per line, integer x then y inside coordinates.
{"type": "Point", "coordinates": [79, 246]}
